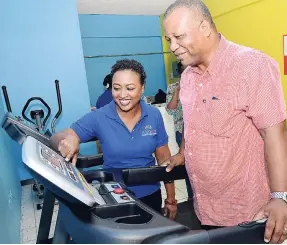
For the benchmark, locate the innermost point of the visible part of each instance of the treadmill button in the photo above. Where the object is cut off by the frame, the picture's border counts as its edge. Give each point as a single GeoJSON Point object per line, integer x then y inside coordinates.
{"type": "Point", "coordinates": [125, 198]}
{"type": "Point", "coordinates": [119, 191]}
{"type": "Point", "coordinates": [115, 186]}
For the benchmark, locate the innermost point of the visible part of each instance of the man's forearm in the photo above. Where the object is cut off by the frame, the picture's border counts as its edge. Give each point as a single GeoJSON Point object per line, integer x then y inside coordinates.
{"type": "Point", "coordinates": [275, 144]}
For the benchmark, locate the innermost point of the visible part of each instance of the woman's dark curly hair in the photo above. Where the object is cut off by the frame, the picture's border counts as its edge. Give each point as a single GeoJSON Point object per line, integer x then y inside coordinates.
{"type": "Point", "coordinates": [133, 65]}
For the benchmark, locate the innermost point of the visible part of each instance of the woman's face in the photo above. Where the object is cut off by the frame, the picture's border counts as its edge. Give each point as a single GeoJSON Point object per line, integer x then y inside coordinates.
{"type": "Point", "coordinates": [127, 89]}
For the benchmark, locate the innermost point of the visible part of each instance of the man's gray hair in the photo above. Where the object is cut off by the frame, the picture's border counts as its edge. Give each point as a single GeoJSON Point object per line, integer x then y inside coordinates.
{"type": "Point", "coordinates": [193, 5]}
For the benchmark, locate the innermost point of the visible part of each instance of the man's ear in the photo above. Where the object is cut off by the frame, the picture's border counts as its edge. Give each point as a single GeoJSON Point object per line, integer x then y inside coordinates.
{"type": "Point", "coordinates": [205, 28]}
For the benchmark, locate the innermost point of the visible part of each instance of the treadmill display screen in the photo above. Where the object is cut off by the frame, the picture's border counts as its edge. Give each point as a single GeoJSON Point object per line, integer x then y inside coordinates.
{"type": "Point", "coordinates": [57, 163]}
{"type": "Point", "coordinates": [52, 160]}
{"type": "Point", "coordinates": [70, 171]}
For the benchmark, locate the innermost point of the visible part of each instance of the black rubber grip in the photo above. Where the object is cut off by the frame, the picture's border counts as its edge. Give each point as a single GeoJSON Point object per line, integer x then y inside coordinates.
{"type": "Point", "coordinates": [90, 161]}
{"type": "Point", "coordinates": [151, 175]}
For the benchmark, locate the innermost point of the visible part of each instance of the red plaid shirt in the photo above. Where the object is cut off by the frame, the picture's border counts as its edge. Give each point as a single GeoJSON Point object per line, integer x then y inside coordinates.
{"type": "Point", "coordinates": [223, 108]}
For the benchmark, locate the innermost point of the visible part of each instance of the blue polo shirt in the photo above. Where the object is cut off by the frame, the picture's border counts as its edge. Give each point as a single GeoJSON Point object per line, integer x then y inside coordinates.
{"type": "Point", "coordinates": [104, 99]}
{"type": "Point", "coordinates": [122, 148]}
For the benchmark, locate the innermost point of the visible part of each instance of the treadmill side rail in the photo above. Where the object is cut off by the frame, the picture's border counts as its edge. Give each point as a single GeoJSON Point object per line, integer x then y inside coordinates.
{"type": "Point", "coordinates": [191, 237]}
{"type": "Point", "coordinates": [249, 233]}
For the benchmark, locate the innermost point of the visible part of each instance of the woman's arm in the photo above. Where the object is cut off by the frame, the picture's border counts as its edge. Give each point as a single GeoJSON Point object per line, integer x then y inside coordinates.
{"type": "Point", "coordinates": [162, 154]}
{"type": "Point", "coordinates": [171, 100]}
{"type": "Point", "coordinates": [56, 138]}
{"type": "Point", "coordinates": [67, 142]}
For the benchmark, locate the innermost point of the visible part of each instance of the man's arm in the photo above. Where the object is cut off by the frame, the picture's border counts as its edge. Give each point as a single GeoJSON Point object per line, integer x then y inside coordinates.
{"type": "Point", "coordinates": [275, 149]}
{"type": "Point", "coordinates": [179, 158]}
{"type": "Point", "coordinates": [265, 105]}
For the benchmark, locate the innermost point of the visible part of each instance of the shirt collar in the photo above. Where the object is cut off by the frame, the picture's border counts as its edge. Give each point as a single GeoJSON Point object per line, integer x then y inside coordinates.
{"type": "Point", "coordinates": [111, 111]}
{"type": "Point", "coordinates": [214, 65]}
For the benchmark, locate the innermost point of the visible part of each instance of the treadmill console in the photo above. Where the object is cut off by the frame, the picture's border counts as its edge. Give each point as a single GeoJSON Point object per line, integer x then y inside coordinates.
{"type": "Point", "coordinates": [65, 180]}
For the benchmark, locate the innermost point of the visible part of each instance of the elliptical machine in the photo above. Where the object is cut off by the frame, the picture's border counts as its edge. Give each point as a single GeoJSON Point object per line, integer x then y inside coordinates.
{"type": "Point", "coordinates": [39, 121]}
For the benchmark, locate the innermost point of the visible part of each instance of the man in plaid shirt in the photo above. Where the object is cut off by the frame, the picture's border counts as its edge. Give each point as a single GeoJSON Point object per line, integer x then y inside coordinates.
{"type": "Point", "coordinates": [234, 114]}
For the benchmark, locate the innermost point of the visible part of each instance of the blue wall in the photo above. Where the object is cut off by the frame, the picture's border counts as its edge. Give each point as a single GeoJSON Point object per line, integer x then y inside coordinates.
{"type": "Point", "coordinates": [10, 189]}
{"type": "Point", "coordinates": [40, 42]}
{"type": "Point", "coordinates": [116, 34]}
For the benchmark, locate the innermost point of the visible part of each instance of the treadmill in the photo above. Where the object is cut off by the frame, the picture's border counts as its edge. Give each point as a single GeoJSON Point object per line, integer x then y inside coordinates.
{"type": "Point", "coordinates": [98, 208]}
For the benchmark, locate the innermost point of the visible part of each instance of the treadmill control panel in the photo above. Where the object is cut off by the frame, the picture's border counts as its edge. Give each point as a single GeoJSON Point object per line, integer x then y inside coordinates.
{"type": "Point", "coordinates": [57, 162]}
{"type": "Point", "coordinates": [53, 168]}
{"type": "Point", "coordinates": [118, 193]}
{"type": "Point", "coordinates": [50, 158]}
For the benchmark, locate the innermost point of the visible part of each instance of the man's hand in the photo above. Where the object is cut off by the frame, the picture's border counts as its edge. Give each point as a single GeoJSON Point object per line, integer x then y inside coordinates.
{"type": "Point", "coordinates": [174, 161]}
{"type": "Point", "coordinates": [69, 148]}
{"type": "Point", "coordinates": [276, 227]}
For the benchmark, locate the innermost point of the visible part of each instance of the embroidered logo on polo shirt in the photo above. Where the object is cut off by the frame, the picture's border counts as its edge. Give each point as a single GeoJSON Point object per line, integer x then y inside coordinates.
{"type": "Point", "coordinates": [148, 131]}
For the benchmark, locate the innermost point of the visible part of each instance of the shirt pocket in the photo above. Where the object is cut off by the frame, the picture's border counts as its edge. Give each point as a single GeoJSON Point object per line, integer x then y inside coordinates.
{"type": "Point", "coordinates": [220, 116]}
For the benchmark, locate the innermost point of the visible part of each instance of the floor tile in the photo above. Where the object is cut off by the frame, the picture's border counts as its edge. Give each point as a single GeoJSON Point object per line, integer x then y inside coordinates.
{"type": "Point", "coordinates": [28, 234]}
{"type": "Point", "coordinates": [56, 207]}
{"type": "Point", "coordinates": [27, 200]}
{"type": "Point", "coordinates": [181, 185]}
{"type": "Point", "coordinates": [52, 229]}
{"type": "Point", "coordinates": [182, 200]}
{"type": "Point", "coordinates": [179, 195]}
{"type": "Point", "coordinates": [26, 191]}
{"type": "Point", "coordinates": [183, 191]}
{"type": "Point", "coordinates": [30, 242]}
{"type": "Point", "coordinates": [55, 215]}
{"type": "Point", "coordinates": [28, 223]}
{"type": "Point", "coordinates": [28, 214]}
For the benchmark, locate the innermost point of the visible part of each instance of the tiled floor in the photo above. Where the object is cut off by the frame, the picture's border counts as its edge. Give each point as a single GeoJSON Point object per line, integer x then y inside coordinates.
{"type": "Point", "coordinates": [31, 216]}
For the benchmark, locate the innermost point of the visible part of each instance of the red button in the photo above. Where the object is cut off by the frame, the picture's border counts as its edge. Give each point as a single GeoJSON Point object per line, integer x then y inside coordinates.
{"type": "Point", "coordinates": [119, 191]}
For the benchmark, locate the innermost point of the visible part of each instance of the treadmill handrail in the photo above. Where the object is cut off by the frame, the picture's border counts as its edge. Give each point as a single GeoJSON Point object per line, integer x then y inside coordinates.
{"type": "Point", "coordinates": [90, 161]}
{"type": "Point", "coordinates": [151, 175]}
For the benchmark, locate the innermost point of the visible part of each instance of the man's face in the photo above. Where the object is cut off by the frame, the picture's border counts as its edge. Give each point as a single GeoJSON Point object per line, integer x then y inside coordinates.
{"type": "Point", "coordinates": [183, 30]}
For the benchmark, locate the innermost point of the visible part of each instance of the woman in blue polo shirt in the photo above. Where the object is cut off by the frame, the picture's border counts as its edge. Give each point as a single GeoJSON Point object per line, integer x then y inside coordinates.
{"type": "Point", "coordinates": [106, 97]}
{"type": "Point", "coordinates": [130, 132]}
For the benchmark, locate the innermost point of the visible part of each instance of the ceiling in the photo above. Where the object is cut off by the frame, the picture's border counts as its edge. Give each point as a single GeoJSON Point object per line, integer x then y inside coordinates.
{"type": "Point", "coordinates": [123, 7]}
